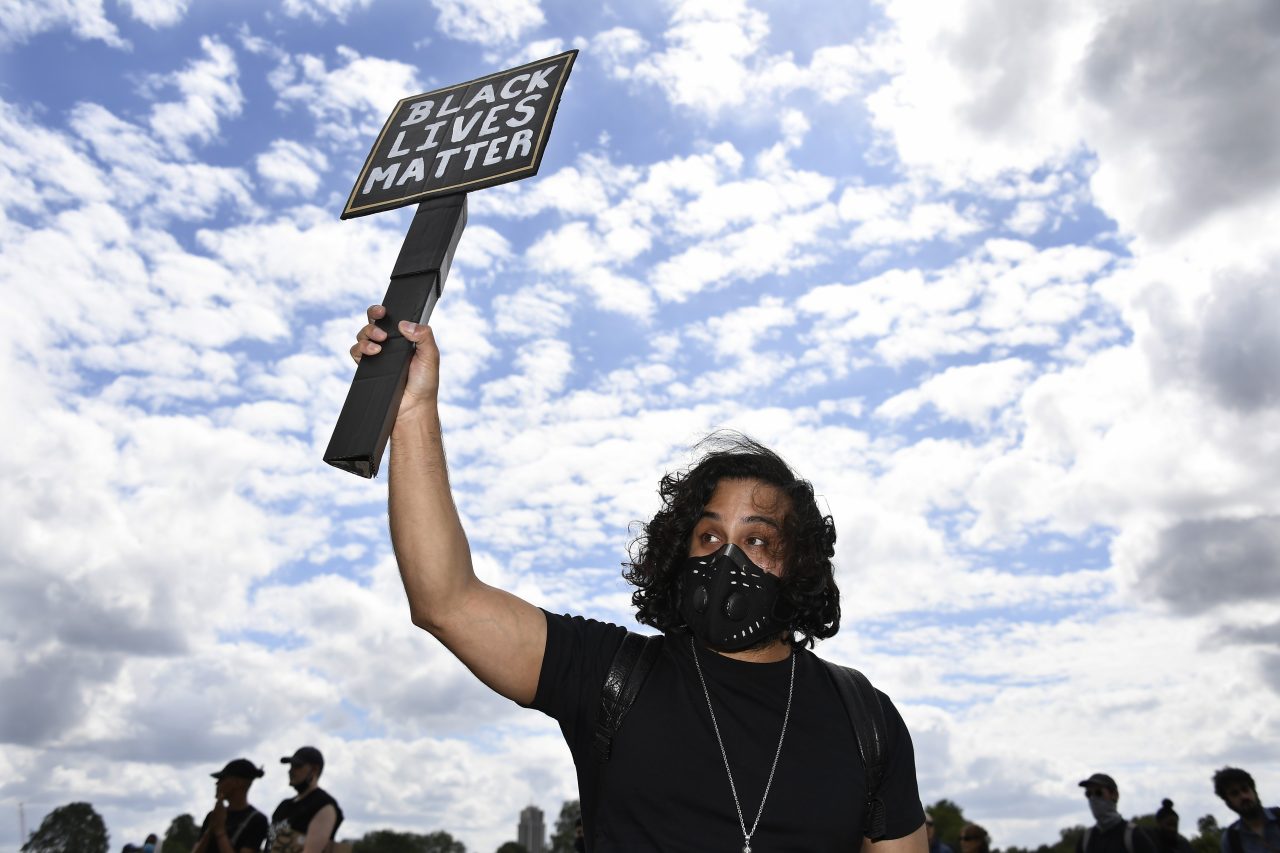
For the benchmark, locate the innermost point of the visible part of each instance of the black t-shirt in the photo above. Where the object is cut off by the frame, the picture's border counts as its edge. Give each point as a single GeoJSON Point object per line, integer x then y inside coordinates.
{"type": "Point", "coordinates": [291, 818]}
{"type": "Point", "coordinates": [665, 787]}
{"type": "Point", "coordinates": [250, 837]}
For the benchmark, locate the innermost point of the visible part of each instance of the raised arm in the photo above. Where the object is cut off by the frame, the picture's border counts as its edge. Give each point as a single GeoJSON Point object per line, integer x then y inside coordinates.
{"type": "Point", "coordinates": [499, 637]}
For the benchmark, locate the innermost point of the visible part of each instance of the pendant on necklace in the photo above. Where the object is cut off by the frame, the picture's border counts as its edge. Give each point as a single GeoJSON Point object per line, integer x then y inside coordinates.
{"type": "Point", "coordinates": [746, 848]}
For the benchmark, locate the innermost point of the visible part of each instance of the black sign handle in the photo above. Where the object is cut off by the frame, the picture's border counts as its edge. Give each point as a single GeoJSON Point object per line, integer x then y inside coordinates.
{"type": "Point", "coordinates": [367, 416]}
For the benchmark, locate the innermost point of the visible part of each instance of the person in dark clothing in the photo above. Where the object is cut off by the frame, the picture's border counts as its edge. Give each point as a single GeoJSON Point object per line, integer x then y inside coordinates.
{"type": "Point", "coordinates": [1110, 833]}
{"type": "Point", "coordinates": [1258, 829]}
{"type": "Point", "coordinates": [308, 822]}
{"type": "Point", "coordinates": [1166, 837]}
{"type": "Point", "coordinates": [739, 738]}
{"type": "Point", "coordinates": [233, 826]}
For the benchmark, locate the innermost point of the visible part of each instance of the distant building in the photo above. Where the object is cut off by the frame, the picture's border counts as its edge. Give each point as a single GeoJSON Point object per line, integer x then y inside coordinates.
{"type": "Point", "coordinates": [532, 833]}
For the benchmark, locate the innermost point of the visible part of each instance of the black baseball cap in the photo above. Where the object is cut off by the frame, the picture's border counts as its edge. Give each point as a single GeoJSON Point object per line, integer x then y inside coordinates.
{"type": "Point", "coordinates": [239, 768]}
{"type": "Point", "coordinates": [1102, 780]}
{"type": "Point", "coordinates": [305, 755]}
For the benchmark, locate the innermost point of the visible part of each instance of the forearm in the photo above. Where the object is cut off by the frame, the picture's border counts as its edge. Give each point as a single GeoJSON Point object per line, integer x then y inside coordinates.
{"type": "Point", "coordinates": [426, 532]}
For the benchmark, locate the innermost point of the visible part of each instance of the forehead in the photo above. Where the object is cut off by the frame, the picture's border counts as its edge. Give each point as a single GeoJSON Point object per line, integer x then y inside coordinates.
{"type": "Point", "coordinates": [737, 498]}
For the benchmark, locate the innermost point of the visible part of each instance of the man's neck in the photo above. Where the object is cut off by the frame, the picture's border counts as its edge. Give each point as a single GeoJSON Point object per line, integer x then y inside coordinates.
{"type": "Point", "coordinates": [1257, 824]}
{"type": "Point", "coordinates": [776, 651]}
{"type": "Point", "coordinates": [308, 789]}
{"type": "Point", "coordinates": [238, 803]}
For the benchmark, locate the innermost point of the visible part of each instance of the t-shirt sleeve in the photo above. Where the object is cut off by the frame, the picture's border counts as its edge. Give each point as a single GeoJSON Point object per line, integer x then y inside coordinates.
{"type": "Point", "coordinates": [254, 834]}
{"type": "Point", "coordinates": [574, 663]}
{"type": "Point", "coordinates": [899, 790]}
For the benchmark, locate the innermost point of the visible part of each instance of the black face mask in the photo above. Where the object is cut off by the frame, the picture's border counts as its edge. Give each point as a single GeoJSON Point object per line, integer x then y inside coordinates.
{"type": "Point", "coordinates": [728, 601]}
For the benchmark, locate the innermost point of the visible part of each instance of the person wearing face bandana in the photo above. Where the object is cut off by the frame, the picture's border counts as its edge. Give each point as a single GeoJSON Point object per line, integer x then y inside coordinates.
{"type": "Point", "coordinates": [1258, 829]}
{"type": "Point", "coordinates": [737, 738]}
{"type": "Point", "coordinates": [1110, 833]}
{"type": "Point", "coordinates": [308, 822]}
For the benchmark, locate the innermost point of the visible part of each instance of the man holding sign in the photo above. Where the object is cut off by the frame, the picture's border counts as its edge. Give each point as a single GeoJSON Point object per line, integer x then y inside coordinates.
{"type": "Point", "coordinates": [736, 736]}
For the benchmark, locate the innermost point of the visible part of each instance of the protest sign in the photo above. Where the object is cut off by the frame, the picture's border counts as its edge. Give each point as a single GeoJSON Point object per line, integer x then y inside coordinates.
{"type": "Point", "coordinates": [433, 150]}
{"type": "Point", "coordinates": [462, 138]}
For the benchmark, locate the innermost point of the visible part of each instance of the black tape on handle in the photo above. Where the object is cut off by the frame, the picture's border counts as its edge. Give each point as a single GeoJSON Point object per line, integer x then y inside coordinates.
{"type": "Point", "coordinates": [369, 412]}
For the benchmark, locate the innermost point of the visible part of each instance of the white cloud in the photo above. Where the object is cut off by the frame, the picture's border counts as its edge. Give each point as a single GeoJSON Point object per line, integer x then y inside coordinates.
{"type": "Point", "coordinates": [142, 176]}
{"type": "Point", "coordinates": [902, 213]}
{"type": "Point", "coordinates": [40, 168]}
{"type": "Point", "coordinates": [350, 102]}
{"type": "Point", "coordinates": [970, 393]}
{"type": "Point", "coordinates": [210, 93]}
{"type": "Point", "coordinates": [489, 23]}
{"type": "Point", "coordinates": [318, 10]}
{"type": "Point", "coordinates": [157, 13]}
{"type": "Point", "coordinates": [290, 168]}
{"type": "Point", "coordinates": [22, 19]}
{"type": "Point", "coordinates": [1144, 87]}
{"type": "Point", "coordinates": [713, 61]}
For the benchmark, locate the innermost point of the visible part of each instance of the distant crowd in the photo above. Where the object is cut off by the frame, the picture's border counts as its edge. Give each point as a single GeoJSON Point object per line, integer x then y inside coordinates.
{"type": "Point", "coordinates": [309, 821]}
{"type": "Point", "coordinates": [1257, 830]}
{"type": "Point", "coordinates": [305, 823]}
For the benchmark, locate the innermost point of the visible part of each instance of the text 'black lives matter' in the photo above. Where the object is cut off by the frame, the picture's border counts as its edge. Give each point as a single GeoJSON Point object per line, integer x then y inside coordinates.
{"type": "Point", "coordinates": [461, 138]}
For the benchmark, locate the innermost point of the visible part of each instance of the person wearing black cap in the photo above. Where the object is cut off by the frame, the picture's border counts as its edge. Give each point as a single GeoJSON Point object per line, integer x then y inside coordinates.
{"type": "Point", "coordinates": [233, 826]}
{"type": "Point", "coordinates": [1111, 833]}
{"type": "Point", "coordinates": [308, 822]}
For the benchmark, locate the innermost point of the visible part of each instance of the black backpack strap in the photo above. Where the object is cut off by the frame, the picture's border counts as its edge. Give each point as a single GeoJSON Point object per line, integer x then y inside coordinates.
{"type": "Point", "coordinates": [866, 714]}
{"type": "Point", "coordinates": [1233, 840]}
{"type": "Point", "coordinates": [622, 683]}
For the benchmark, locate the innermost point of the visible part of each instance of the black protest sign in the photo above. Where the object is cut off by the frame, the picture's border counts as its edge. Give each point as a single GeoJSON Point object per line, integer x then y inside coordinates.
{"type": "Point", "coordinates": [462, 138]}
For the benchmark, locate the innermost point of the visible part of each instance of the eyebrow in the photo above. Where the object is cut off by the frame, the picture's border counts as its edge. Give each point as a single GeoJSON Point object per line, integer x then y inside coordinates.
{"type": "Point", "coordinates": [750, 519]}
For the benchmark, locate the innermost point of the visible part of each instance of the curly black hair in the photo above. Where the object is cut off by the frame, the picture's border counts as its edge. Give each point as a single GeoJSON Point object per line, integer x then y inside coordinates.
{"type": "Point", "coordinates": [808, 536]}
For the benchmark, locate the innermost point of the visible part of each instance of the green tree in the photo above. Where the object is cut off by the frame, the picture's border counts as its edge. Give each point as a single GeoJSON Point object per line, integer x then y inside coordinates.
{"type": "Point", "coordinates": [948, 820]}
{"type": "Point", "coordinates": [73, 828]}
{"type": "Point", "coordinates": [562, 838]}
{"type": "Point", "coordinates": [512, 847]}
{"type": "Point", "coordinates": [181, 835]}
{"type": "Point", "coordinates": [1210, 838]}
{"type": "Point", "coordinates": [391, 841]}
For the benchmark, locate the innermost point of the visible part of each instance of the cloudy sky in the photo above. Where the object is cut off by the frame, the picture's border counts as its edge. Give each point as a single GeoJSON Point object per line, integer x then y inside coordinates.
{"type": "Point", "coordinates": [993, 274]}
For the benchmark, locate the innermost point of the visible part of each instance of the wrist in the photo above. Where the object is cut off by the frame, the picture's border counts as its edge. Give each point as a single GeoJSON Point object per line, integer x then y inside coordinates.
{"type": "Point", "coordinates": [420, 418]}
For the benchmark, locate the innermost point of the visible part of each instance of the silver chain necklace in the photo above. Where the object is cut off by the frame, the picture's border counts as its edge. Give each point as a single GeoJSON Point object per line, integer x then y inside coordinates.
{"type": "Point", "coordinates": [733, 789]}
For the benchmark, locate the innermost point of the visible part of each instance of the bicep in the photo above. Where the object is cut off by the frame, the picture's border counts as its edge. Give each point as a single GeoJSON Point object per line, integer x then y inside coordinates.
{"type": "Point", "coordinates": [499, 636]}
{"type": "Point", "coordinates": [916, 842]}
